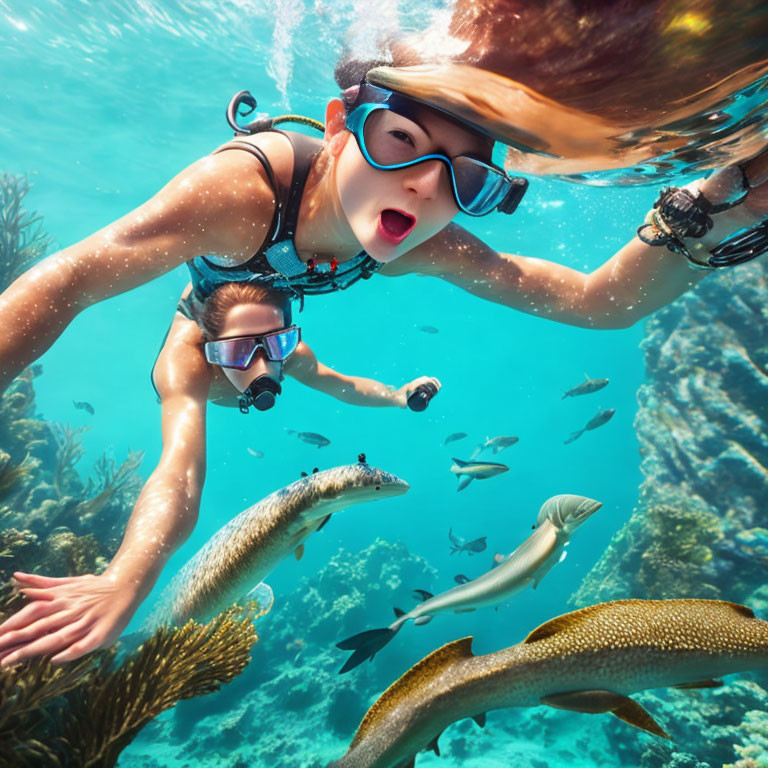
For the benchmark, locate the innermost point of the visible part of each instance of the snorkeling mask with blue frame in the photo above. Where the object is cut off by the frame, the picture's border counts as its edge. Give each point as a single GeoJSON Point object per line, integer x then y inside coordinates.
{"type": "Point", "coordinates": [478, 187]}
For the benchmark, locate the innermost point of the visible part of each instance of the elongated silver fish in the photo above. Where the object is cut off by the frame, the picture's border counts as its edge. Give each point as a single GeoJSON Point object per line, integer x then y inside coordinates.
{"type": "Point", "coordinates": [590, 660]}
{"type": "Point", "coordinates": [245, 550]}
{"type": "Point", "coordinates": [498, 444]}
{"type": "Point", "coordinates": [600, 418]}
{"type": "Point", "coordinates": [467, 471]}
{"type": "Point", "coordinates": [558, 518]}
{"type": "Point", "coordinates": [587, 387]}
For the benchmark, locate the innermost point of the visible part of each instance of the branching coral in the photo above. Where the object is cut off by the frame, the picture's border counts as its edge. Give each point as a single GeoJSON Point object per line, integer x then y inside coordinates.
{"type": "Point", "coordinates": [111, 482]}
{"type": "Point", "coordinates": [12, 475]}
{"type": "Point", "coordinates": [70, 451]}
{"type": "Point", "coordinates": [22, 240]}
{"type": "Point", "coordinates": [93, 711]}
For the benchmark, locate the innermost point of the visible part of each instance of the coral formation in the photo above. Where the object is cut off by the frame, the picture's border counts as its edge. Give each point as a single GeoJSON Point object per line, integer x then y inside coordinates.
{"type": "Point", "coordinates": [22, 239]}
{"type": "Point", "coordinates": [85, 713]}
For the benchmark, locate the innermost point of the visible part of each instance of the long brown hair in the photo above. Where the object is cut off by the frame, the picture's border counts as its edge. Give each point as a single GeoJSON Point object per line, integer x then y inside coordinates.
{"type": "Point", "coordinates": [229, 295]}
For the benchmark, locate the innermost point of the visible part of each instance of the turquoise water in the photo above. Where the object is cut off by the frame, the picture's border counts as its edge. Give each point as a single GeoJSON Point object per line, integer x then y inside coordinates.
{"type": "Point", "coordinates": [102, 103]}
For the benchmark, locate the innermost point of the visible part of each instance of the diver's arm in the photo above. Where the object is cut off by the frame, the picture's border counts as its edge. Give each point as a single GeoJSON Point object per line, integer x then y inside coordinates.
{"type": "Point", "coordinates": [354, 390]}
{"type": "Point", "coordinates": [221, 204]}
{"type": "Point", "coordinates": [636, 281]}
{"type": "Point", "coordinates": [68, 617]}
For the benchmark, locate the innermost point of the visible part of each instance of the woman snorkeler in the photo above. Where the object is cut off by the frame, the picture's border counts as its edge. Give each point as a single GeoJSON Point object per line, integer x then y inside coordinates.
{"type": "Point", "coordinates": [376, 195]}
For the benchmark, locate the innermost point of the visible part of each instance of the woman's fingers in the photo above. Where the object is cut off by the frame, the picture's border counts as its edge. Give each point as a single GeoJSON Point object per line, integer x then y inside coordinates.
{"type": "Point", "coordinates": [42, 595]}
{"type": "Point", "coordinates": [35, 580]}
{"type": "Point", "coordinates": [90, 642]}
{"type": "Point", "coordinates": [39, 628]}
{"type": "Point", "coordinates": [27, 615]}
{"type": "Point", "coordinates": [52, 643]}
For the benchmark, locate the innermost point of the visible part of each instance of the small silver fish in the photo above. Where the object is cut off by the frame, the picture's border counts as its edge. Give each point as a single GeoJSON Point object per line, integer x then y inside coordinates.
{"type": "Point", "coordinates": [256, 454]}
{"type": "Point", "coordinates": [462, 545]}
{"type": "Point", "coordinates": [454, 436]}
{"type": "Point", "coordinates": [467, 471]}
{"type": "Point", "coordinates": [313, 438]}
{"type": "Point", "coordinates": [82, 405]}
{"type": "Point", "coordinates": [600, 418]}
{"type": "Point", "coordinates": [429, 329]}
{"type": "Point", "coordinates": [498, 444]}
{"type": "Point", "coordinates": [586, 387]}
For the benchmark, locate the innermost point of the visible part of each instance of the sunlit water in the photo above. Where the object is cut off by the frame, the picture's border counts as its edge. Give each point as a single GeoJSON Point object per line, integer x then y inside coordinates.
{"type": "Point", "coordinates": [103, 102]}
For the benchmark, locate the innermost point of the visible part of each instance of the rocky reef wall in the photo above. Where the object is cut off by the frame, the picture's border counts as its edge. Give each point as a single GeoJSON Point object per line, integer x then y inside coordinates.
{"type": "Point", "coordinates": [700, 528]}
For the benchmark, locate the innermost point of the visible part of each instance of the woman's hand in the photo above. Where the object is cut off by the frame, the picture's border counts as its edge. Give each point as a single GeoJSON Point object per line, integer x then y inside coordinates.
{"type": "Point", "coordinates": [66, 617]}
{"type": "Point", "coordinates": [401, 395]}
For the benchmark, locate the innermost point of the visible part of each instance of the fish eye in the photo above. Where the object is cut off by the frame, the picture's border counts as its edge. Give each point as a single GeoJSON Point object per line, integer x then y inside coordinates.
{"type": "Point", "coordinates": [533, 527]}
{"type": "Point", "coordinates": [378, 487]}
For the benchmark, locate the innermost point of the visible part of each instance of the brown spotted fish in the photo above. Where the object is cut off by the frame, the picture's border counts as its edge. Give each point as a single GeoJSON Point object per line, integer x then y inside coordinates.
{"type": "Point", "coordinates": [591, 660]}
{"type": "Point", "coordinates": [246, 549]}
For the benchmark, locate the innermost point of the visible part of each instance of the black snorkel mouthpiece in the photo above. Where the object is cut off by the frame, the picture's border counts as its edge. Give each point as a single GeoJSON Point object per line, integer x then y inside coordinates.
{"type": "Point", "coordinates": [262, 393]}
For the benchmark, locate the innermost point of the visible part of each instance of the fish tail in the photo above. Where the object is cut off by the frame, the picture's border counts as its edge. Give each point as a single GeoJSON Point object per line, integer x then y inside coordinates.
{"type": "Point", "coordinates": [366, 645]}
{"type": "Point", "coordinates": [574, 436]}
{"type": "Point", "coordinates": [464, 481]}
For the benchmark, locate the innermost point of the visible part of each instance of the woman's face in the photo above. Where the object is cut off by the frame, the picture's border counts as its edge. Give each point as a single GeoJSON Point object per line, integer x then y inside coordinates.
{"type": "Point", "coordinates": [391, 212]}
{"type": "Point", "coordinates": [252, 320]}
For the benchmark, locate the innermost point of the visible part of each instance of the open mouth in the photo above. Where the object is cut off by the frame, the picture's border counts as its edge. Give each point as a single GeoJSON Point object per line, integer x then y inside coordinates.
{"type": "Point", "coordinates": [396, 225]}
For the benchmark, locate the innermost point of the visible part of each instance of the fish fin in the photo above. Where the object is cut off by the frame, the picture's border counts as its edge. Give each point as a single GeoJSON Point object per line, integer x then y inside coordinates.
{"type": "Point", "coordinates": [399, 612]}
{"type": "Point", "coordinates": [263, 596]}
{"type": "Point", "coordinates": [416, 677]}
{"type": "Point", "coordinates": [434, 746]}
{"type": "Point", "coordinates": [586, 376]}
{"type": "Point", "coordinates": [460, 463]}
{"type": "Point", "coordinates": [298, 553]}
{"type": "Point", "coordinates": [365, 645]}
{"type": "Point", "coordinates": [464, 610]}
{"type": "Point", "coordinates": [480, 719]}
{"type": "Point", "coordinates": [422, 620]}
{"type": "Point", "coordinates": [464, 481]}
{"type": "Point", "coordinates": [575, 618]}
{"type": "Point", "coordinates": [563, 556]}
{"type": "Point", "coordinates": [633, 713]}
{"type": "Point", "coordinates": [567, 394]}
{"type": "Point", "coordinates": [422, 594]}
{"type": "Point", "coordinates": [574, 436]}
{"type": "Point", "coordinates": [324, 523]}
{"type": "Point", "coordinates": [711, 683]}
{"type": "Point", "coordinates": [597, 701]}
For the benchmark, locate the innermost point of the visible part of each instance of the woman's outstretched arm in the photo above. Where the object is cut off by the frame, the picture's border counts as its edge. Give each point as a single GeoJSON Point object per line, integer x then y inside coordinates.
{"type": "Point", "coordinates": [636, 281]}
{"type": "Point", "coordinates": [68, 617]}
{"type": "Point", "coordinates": [221, 204]}
{"type": "Point", "coordinates": [354, 390]}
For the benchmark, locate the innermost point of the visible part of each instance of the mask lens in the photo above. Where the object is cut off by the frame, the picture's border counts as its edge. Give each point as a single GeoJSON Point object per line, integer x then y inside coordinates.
{"type": "Point", "coordinates": [479, 187]}
{"type": "Point", "coordinates": [280, 346]}
{"type": "Point", "coordinates": [390, 138]}
{"type": "Point", "coordinates": [231, 353]}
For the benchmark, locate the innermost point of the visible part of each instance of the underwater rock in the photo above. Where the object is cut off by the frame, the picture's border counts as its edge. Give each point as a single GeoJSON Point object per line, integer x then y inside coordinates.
{"type": "Point", "coordinates": [701, 525]}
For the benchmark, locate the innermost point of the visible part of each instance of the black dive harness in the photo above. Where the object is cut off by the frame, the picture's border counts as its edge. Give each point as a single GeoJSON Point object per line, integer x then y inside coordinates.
{"type": "Point", "coordinates": [277, 265]}
{"type": "Point", "coordinates": [679, 214]}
